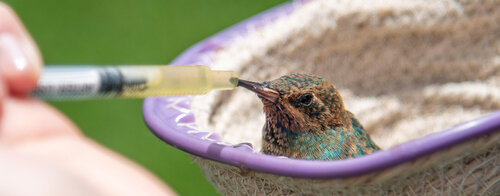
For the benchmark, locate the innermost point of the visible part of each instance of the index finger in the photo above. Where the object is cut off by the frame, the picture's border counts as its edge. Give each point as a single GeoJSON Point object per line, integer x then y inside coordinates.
{"type": "Point", "coordinates": [20, 60]}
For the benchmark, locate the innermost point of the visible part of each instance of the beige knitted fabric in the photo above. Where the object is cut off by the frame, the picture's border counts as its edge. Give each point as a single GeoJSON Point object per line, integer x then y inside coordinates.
{"type": "Point", "coordinates": [405, 68]}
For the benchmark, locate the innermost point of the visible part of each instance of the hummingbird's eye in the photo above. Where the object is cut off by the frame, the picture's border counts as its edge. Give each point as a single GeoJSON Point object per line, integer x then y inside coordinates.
{"type": "Point", "coordinates": [305, 99]}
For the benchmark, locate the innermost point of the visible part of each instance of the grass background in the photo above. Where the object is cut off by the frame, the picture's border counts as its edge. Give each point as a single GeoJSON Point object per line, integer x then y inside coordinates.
{"type": "Point", "coordinates": [130, 32]}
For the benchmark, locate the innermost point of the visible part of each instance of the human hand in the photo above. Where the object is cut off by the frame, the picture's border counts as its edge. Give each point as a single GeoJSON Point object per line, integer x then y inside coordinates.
{"type": "Point", "coordinates": [41, 151]}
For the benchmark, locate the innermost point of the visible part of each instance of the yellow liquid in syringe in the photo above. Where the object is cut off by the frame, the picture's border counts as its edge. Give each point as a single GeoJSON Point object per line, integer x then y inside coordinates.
{"type": "Point", "coordinates": [142, 81]}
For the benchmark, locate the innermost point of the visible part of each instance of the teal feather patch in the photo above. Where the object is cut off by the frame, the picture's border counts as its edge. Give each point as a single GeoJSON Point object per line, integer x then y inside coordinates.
{"type": "Point", "coordinates": [318, 128]}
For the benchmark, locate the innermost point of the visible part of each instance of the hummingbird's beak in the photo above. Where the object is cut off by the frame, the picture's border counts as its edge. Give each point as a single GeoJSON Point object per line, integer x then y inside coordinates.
{"type": "Point", "coordinates": [261, 90]}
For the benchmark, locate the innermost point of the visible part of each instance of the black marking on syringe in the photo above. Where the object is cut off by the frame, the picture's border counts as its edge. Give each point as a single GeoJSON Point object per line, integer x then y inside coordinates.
{"type": "Point", "coordinates": [135, 84]}
{"type": "Point", "coordinates": [111, 80]}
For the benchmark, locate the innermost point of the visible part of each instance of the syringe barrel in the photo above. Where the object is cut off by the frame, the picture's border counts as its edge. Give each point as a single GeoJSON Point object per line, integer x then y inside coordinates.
{"type": "Point", "coordinates": [87, 82]}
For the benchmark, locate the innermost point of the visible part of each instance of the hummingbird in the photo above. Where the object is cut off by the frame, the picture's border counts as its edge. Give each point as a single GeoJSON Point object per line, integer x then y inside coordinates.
{"type": "Point", "coordinates": [306, 119]}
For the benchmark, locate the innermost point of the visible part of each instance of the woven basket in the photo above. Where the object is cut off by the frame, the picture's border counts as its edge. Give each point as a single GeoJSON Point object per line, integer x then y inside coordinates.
{"type": "Point", "coordinates": [421, 75]}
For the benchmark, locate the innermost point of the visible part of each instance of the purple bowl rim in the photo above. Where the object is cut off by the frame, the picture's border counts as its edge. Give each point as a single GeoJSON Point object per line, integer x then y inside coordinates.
{"type": "Point", "coordinates": [169, 132]}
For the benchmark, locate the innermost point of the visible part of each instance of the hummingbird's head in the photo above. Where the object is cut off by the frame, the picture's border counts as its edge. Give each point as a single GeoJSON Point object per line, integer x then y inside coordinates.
{"type": "Point", "coordinates": [300, 102]}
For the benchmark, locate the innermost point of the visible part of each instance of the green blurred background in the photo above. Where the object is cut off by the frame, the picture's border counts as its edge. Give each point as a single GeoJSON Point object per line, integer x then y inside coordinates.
{"type": "Point", "coordinates": [130, 32]}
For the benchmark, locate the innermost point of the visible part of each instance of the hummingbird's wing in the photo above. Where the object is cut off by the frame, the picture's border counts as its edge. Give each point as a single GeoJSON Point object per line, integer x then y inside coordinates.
{"type": "Point", "coordinates": [364, 143]}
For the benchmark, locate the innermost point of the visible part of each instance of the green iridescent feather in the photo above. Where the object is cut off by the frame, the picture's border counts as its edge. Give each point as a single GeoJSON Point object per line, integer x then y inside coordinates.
{"type": "Point", "coordinates": [309, 121]}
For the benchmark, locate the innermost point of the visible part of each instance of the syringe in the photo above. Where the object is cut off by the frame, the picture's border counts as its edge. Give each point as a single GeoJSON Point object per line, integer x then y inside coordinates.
{"type": "Point", "coordinates": [88, 82]}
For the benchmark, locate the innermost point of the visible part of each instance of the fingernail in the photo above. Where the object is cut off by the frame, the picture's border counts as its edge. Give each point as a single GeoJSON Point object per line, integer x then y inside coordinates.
{"type": "Point", "coordinates": [13, 57]}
